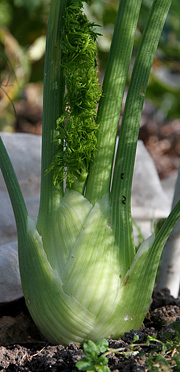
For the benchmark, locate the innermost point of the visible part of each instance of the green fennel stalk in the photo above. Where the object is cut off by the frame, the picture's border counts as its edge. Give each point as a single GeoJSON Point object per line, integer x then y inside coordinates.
{"type": "Point", "coordinates": [81, 276]}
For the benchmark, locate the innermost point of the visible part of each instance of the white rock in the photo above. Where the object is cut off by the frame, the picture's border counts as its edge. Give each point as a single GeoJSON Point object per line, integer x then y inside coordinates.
{"type": "Point", "coordinates": [148, 197]}
{"type": "Point", "coordinates": [10, 282]}
{"type": "Point", "coordinates": [149, 200]}
{"type": "Point", "coordinates": [25, 153]}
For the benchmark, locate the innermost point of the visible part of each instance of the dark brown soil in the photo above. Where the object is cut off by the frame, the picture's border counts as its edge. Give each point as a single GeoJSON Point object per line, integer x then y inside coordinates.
{"type": "Point", "coordinates": [23, 348]}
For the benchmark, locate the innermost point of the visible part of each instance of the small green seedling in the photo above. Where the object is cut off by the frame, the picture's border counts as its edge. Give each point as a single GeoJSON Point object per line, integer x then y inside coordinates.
{"type": "Point", "coordinates": [94, 360]}
{"type": "Point", "coordinates": [158, 355]}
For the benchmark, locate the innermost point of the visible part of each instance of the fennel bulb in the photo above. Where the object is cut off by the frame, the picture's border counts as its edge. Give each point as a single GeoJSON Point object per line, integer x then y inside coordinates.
{"type": "Point", "coordinates": [81, 275]}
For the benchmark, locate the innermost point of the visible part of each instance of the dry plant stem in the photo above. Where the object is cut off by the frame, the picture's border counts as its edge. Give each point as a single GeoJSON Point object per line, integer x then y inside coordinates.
{"type": "Point", "coordinates": [169, 273]}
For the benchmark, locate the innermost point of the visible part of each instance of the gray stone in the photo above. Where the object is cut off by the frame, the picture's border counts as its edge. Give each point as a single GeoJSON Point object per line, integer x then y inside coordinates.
{"type": "Point", "coordinates": [25, 153]}
{"type": "Point", "coordinates": [149, 200]}
{"type": "Point", "coordinates": [10, 282]}
{"type": "Point", "coordinates": [168, 185]}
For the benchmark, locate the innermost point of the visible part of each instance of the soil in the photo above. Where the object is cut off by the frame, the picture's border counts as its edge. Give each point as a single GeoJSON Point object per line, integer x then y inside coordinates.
{"type": "Point", "coordinates": [23, 348]}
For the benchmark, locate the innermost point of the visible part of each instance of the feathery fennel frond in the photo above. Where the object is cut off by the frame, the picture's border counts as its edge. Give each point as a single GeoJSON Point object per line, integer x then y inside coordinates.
{"type": "Point", "coordinates": [77, 127]}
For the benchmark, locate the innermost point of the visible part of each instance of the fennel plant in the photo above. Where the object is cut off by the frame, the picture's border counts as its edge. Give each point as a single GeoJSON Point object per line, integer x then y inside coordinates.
{"type": "Point", "coordinates": [81, 276]}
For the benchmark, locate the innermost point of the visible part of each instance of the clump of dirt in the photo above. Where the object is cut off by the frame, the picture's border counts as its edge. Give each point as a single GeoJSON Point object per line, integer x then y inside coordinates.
{"type": "Point", "coordinates": [23, 348]}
